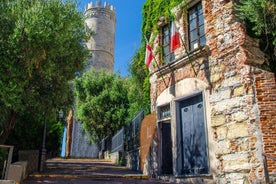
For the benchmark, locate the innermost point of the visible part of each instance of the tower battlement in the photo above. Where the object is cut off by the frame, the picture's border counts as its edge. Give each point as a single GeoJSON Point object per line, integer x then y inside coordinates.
{"type": "Point", "coordinates": [98, 4]}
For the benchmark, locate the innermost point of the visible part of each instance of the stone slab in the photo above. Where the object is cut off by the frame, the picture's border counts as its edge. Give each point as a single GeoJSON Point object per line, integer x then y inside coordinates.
{"type": "Point", "coordinates": [17, 171]}
{"type": "Point", "coordinates": [7, 182]}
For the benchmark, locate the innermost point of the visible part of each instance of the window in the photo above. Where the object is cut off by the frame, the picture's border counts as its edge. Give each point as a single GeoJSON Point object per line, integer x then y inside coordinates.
{"type": "Point", "coordinates": [196, 27]}
{"type": "Point", "coordinates": [167, 55]}
{"type": "Point", "coordinates": [164, 112]}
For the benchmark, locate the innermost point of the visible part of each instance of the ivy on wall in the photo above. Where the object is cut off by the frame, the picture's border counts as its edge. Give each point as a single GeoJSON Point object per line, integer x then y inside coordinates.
{"type": "Point", "coordinates": [151, 12]}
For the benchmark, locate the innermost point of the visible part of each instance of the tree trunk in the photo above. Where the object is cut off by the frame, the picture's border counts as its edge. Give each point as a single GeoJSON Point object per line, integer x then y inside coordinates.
{"type": "Point", "coordinates": [8, 126]}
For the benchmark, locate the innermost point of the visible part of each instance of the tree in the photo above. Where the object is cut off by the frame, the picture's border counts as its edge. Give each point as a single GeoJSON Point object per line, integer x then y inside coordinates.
{"type": "Point", "coordinates": [27, 134]}
{"type": "Point", "coordinates": [139, 94]}
{"type": "Point", "coordinates": [260, 20]}
{"type": "Point", "coordinates": [102, 103]}
{"type": "Point", "coordinates": [41, 48]}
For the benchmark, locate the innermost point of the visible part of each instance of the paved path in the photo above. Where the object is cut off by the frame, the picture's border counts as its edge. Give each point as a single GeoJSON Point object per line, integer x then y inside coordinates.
{"type": "Point", "coordinates": [86, 171]}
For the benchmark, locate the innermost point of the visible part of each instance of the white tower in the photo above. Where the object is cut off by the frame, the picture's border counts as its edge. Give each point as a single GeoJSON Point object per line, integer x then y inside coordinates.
{"type": "Point", "coordinates": [101, 20]}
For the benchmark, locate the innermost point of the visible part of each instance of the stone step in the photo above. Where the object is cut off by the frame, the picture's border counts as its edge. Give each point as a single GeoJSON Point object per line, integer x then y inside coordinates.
{"type": "Point", "coordinates": [7, 182]}
{"type": "Point", "coordinates": [85, 168]}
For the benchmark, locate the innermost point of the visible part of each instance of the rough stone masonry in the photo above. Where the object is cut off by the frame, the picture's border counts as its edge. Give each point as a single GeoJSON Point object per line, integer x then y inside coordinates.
{"type": "Point", "coordinates": [239, 96]}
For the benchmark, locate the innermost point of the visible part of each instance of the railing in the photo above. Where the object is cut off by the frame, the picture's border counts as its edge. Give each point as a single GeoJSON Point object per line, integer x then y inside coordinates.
{"type": "Point", "coordinates": [265, 156]}
{"type": "Point", "coordinates": [132, 132]}
{"type": "Point", "coordinates": [117, 143]}
{"type": "Point", "coordinates": [7, 163]}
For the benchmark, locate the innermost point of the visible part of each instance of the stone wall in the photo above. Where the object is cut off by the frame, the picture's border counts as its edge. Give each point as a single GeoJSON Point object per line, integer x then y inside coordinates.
{"type": "Point", "coordinates": [239, 97]}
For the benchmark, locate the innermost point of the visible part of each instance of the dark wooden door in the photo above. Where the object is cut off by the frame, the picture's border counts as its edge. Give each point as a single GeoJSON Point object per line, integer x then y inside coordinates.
{"type": "Point", "coordinates": [194, 146]}
{"type": "Point", "coordinates": [167, 166]}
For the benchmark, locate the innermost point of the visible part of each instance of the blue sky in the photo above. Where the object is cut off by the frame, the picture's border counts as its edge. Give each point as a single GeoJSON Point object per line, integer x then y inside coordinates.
{"type": "Point", "coordinates": [128, 30]}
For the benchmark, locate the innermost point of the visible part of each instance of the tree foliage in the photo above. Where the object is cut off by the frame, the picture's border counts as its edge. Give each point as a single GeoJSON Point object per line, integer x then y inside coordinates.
{"type": "Point", "coordinates": [102, 103]}
{"type": "Point", "coordinates": [28, 134]}
{"type": "Point", "coordinates": [140, 95]}
{"type": "Point", "coordinates": [260, 19]}
{"type": "Point", "coordinates": [261, 14]}
{"type": "Point", "coordinates": [41, 48]}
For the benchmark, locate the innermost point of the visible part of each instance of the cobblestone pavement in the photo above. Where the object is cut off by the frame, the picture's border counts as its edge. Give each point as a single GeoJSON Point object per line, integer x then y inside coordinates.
{"type": "Point", "coordinates": [86, 171]}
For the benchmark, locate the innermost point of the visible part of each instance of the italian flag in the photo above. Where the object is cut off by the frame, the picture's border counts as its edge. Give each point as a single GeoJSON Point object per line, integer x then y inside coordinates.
{"type": "Point", "coordinates": [175, 39]}
{"type": "Point", "coordinates": [149, 55]}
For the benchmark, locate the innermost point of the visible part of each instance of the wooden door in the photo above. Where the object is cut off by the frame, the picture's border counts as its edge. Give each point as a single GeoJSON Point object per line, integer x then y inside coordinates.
{"type": "Point", "coordinates": [166, 142]}
{"type": "Point", "coordinates": [194, 146]}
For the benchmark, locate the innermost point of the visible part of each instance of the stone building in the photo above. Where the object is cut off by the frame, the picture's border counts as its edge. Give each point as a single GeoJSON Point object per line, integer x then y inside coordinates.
{"type": "Point", "coordinates": [101, 19]}
{"type": "Point", "coordinates": [215, 107]}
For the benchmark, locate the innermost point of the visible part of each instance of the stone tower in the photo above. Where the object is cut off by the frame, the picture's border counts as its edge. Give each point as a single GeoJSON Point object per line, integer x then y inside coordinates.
{"type": "Point", "coordinates": [101, 20]}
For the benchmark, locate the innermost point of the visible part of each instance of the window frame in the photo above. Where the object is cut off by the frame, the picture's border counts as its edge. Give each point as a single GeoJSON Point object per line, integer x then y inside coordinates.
{"type": "Point", "coordinates": [164, 112]}
{"type": "Point", "coordinates": [199, 29]}
{"type": "Point", "coordinates": [167, 55]}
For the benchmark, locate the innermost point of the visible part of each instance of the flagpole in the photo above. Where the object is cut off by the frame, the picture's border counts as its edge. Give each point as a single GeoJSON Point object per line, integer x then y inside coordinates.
{"type": "Point", "coordinates": [188, 54]}
{"type": "Point", "coordinates": [147, 42]}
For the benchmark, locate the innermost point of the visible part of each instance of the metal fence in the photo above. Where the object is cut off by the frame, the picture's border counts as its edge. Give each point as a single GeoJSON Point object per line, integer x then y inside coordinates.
{"type": "Point", "coordinates": [117, 141]}
{"type": "Point", "coordinates": [132, 132]}
{"type": "Point", "coordinates": [127, 140]}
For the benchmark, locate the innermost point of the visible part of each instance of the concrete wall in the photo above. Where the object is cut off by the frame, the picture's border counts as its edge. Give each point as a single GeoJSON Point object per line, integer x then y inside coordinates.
{"type": "Point", "coordinates": [32, 157]}
{"type": "Point", "coordinates": [81, 147]}
{"type": "Point", "coordinates": [18, 171]}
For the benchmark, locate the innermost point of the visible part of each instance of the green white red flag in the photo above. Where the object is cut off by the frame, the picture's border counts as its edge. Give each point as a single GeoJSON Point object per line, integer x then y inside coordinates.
{"type": "Point", "coordinates": [149, 55]}
{"type": "Point", "coordinates": [175, 39]}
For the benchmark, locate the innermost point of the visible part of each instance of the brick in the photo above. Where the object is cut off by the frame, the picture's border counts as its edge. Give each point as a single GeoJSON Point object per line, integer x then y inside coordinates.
{"type": "Point", "coordinates": [239, 91]}
{"type": "Point", "coordinates": [236, 162]}
{"type": "Point", "coordinates": [237, 130]}
{"type": "Point", "coordinates": [239, 116]}
{"type": "Point", "coordinates": [221, 132]}
{"type": "Point", "coordinates": [218, 120]}
{"type": "Point", "coordinates": [223, 147]}
{"type": "Point", "coordinates": [215, 77]}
